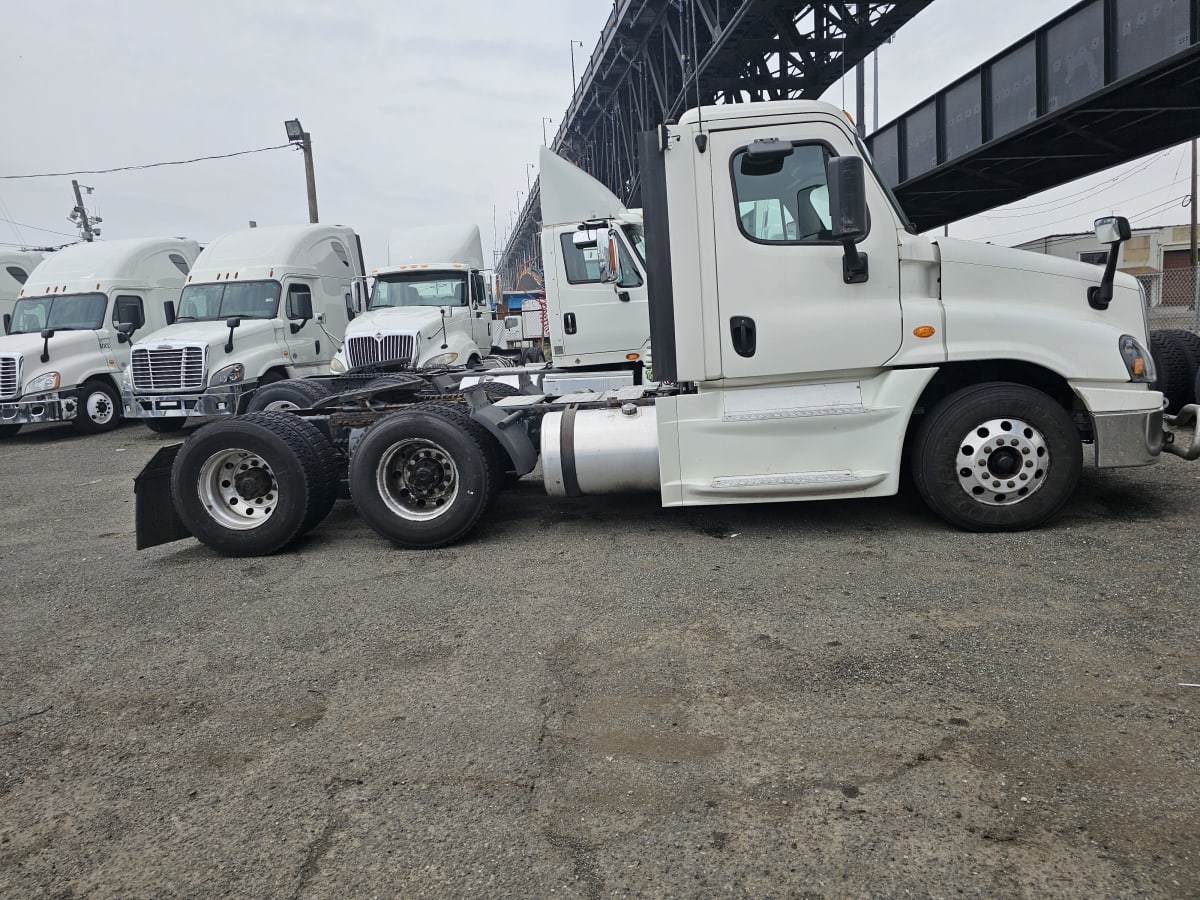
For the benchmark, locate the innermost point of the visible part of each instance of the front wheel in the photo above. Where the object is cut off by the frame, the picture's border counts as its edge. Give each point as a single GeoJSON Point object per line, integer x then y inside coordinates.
{"type": "Point", "coordinates": [420, 479]}
{"type": "Point", "coordinates": [997, 457]}
{"type": "Point", "coordinates": [99, 408]}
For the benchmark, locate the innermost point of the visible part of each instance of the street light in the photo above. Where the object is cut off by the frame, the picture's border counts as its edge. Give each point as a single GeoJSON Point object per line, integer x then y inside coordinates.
{"type": "Point", "coordinates": [528, 183]}
{"type": "Point", "coordinates": [297, 135]}
{"type": "Point", "coordinates": [573, 43]}
{"type": "Point", "coordinates": [546, 119]}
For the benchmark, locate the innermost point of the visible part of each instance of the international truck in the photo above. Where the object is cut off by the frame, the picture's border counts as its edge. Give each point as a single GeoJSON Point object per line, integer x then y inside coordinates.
{"type": "Point", "coordinates": [428, 307]}
{"type": "Point", "coordinates": [808, 344]}
{"type": "Point", "coordinates": [260, 305]}
{"type": "Point", "coordinates": [15, 267]}
{"type": "Point", "coordinates": [66, 344]}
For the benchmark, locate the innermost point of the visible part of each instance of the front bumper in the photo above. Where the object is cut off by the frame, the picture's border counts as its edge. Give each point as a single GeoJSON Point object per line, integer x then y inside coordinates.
{"type": "Point", "coordinates": [218, 401]}
{"type": "Point", "coordinates": [1127, 438]}
{"type": "Point", "coordinates": [52, 407]}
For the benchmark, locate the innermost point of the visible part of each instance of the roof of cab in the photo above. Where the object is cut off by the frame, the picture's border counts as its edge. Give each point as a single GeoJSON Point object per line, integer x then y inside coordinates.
{"type": "Point", "coordinates": [108, 260]}
{"type": "Point", "coordinates": [279, 245]}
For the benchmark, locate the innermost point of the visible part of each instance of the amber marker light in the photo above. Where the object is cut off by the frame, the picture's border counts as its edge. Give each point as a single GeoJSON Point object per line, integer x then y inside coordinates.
{"type": "Point", "coordinates": [924, 331]}
{"type": "Point", "coordinates": [1139, 366]}
{"type": "Point", "coordinates": [632, 357]}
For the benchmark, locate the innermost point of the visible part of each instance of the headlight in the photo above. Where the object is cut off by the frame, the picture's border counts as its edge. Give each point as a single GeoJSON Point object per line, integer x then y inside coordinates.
{"type": "Point", "coordinates": [1138, 362]}
{"type": "Point", "coordinates": [48, 381]}
{"type": "Point", "coordinates": [442, 359]}
{"type": "Point", "coordinates": [336, 366]}
{"type": "Point", "coordinates": [228, 375]}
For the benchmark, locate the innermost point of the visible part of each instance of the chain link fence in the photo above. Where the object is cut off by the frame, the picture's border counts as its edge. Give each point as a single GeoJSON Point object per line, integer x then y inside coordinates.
{"type": "Point", "coordinates": [1174, 298]}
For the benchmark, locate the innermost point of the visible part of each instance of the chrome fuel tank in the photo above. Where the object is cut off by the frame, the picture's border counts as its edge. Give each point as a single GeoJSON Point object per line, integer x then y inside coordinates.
{"type": "Point", "coordinates": [600, 451]}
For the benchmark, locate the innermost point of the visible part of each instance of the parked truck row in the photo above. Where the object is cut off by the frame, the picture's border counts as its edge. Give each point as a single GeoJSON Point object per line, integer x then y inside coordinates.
{"type": "Point", "coordinates": [807, 344]}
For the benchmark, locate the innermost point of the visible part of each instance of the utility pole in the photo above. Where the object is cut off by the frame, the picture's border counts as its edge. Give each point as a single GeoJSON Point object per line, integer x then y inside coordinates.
{"type": "Point", "coordinates": [297, 135]}
{"type": "Point", "coordinates": [85, 226]}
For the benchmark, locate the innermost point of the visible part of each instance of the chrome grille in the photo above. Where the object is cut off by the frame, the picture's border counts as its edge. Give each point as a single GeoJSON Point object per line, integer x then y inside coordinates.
{"type": "Point", "coordinates": [157, 369]}
{"type": "Point", "coordinates": [361, 351]}
{"type": "Point", "coordinates": [10, 376]}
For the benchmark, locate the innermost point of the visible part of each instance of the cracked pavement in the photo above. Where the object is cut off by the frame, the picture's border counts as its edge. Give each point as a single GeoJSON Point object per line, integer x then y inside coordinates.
{"type": "Point", "coordinates": [597, 697]}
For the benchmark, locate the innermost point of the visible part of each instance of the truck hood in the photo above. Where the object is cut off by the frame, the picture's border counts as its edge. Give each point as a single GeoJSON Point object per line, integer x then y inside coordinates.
{"type": "Point", "coordinates": [401, 319]}
{"type": "Point", "coordinates": [63, 345]}
{"type": "Point", "coordinates": [210, 334]}
{"type": "Point", "coordinates": [1004, 303]}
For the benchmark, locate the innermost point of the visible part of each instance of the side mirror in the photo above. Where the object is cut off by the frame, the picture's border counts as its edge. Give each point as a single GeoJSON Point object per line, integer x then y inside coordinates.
{"type": "Point", "coordinates": [47, 333]}
{"type": "Point", "coordinates": [169, 311]}
{"type": "Point", "coordinates": [608, 260]}
{"type": "Point", "coordinates": [1113, 231]}
{"type": "Point", "coordinates": [7, 323]}
{"type": "Point", "coordinates": [231, 323]}
{"type": "Point", "coordinates": [299, 306]}
{"type": "Point", "coordinates": [848, 211]}
{"type": "Point", "coordinates": [125, 332]}
{"type": "Point", "coordinates": [356, 294]}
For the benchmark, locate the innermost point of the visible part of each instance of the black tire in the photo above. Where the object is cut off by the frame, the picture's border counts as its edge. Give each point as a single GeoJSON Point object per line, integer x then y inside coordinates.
{"type": "Point", "coordinates": [1190, 340]}
{"type": "Point", "coordinates": [98, 407]}
{"type": "Point", "coordinates": [167, 425]}
{"type": "Point", "coordinates": [1175, 369]}
{"type": "Point", "coordinates": [536, 355]}
{"type": "Point", "coordinates": [395, 388]}
{"type": "Point", "coordinates": [976, 484]}
{"type": "Point", "coordinates": [7, 431]}
{"type": "Point", "coordinates": [332, 467]}
{"type": "Point", "coordinates": [276, 473]}
{"type": "Point", "coordinates": [287, 396]}
{"type": "Point", "coordinates": [420, 480]}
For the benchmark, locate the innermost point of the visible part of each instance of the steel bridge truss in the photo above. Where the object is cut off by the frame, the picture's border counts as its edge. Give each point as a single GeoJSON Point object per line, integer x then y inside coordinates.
{"type": "Point", "coordinates": [657, 58]}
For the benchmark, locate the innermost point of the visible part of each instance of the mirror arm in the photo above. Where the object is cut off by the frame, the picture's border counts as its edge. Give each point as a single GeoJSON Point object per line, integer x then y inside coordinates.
{"type": "Point", "coordinates": [1100, 296]}
{"type": "Point", "coordinates": [854, 264]}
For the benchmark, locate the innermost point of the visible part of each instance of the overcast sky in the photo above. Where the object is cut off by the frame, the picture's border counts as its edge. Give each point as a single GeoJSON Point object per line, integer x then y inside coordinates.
{"type": "Point", "coordinates": [419, 112]}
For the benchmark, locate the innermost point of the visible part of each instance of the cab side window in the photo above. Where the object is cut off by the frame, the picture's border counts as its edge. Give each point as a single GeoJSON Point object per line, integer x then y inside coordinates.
{"type": "Point", "coordinates": [783, 200]}
{"type": "Point", "coordinates": [128, 308]}
{"type": "Point", "coordinates": [581, 262]}
{"type": "Point", "coordinates": [296, 293]}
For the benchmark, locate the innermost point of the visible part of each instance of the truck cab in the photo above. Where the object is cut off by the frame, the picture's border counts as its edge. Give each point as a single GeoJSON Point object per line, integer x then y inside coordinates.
{"type": "Point", "coordinates": [67, 342]}
{"type": "Point", "coordinates": [15, 268]}
{"type": "Point", "coordinates": [594, 321]}
{"type": "Point", "coordinates": [260, 305]}
{"type": "Point", "coordinates": [429, 306]}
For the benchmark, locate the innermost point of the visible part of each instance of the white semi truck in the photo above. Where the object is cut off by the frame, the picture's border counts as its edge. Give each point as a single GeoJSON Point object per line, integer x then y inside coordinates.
{"type": "Point", "coordinates": [808, 345]}
{"type": "Point", "coordinates": [428, 307]}
{"type": "Point", "coordinates": [261, 305]}
{"type": "Point", "coordinates": [15, 268]}
{"type": "Point", "coordinates": [67, 343]}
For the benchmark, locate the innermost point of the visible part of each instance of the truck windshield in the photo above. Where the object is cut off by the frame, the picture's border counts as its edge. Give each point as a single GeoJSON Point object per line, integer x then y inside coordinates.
{"type": "Point", "coordinates": [218, 301]}
{"type": "Point", "coordinates": [62, 312]}
{"type": "Point", "coordinates": [419, 289]}
{"type": "Point", "coordinates": [637, 240]}
{"type": "Point", "coordinates": [887, 190]}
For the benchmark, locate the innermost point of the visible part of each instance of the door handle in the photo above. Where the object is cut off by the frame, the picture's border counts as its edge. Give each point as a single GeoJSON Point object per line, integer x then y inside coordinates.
{"type": "Point", "coordinates": [742, 330]}
{"type": "Point", "coordinates": [569, 323]}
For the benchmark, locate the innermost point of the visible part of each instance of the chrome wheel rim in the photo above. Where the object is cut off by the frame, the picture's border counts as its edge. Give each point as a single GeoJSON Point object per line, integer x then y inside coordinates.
{"type": "Point", "coordinates": [1002, 462]}
{"type": "Point", "coordinates": [100, 408]}
{"type": "Point", "coordinates": [280, 406]}
{"type": "Point", "coordinates": [239, 489]}
{"type": "Point", "coordinates": [417, 479]}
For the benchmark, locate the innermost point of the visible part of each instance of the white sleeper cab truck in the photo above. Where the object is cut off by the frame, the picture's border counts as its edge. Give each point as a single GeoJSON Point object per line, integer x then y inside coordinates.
{"type": "Point", "coordinates": [428, 307]}
{"type": "Point", "coordinates": [261, 305]}
{"type": "Point", "coordinates": [67, 343]}
{"type": "Point", "coordinates": [809, 345]}
{"type": "Point", "coordinates": [15, 268]}
{"type": "Point", "coordinates": [595, 321]}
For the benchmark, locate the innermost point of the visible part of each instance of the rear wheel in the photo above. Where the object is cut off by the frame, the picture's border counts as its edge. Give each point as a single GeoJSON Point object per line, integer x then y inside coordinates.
{"type": "Point", "coordinates": [287, 396]}
{"type": "Point", "coordinates": [250, 486]}
{"type": "Point", "coordinates": [1175, 368]}
{"type": "Point", "coordinates": [997, 457]}
{"type": "Point", "coordinates": [98, 408]}
{"type": "Point", "coordinates": [420, 479]}
{"type": "Point", "coordinates": [166, 426]}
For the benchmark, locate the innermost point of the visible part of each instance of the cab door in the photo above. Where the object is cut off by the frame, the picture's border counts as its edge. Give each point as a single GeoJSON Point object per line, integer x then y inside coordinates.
{"type": "Point", "coordinates": [595, 316]}
{"type": "Point", "coordinates": [786, 309]}
{"type": "Point", "coordinates": [306, 345]}
{"type": "Point", "coordinates": [481, 313]}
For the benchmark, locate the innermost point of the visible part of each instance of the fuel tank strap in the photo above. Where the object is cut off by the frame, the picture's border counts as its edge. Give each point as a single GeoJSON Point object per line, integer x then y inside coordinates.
{"type": "Point", "coordinates": [566, 448]}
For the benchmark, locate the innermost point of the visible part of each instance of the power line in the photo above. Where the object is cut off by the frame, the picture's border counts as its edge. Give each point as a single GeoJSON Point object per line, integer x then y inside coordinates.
{"type": "Point", "coordinates": [178, 162]}
{"type": "Point", "coordinates": [35, 228]}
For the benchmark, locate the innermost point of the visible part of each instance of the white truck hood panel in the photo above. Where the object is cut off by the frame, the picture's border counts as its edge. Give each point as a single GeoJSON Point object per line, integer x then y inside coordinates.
{"type": "Point", "coordinates": [399, 319]}
{"type": "Point", "coordinates": [63, 345]}
{"type": "Point", "coordinates": [211, 334]}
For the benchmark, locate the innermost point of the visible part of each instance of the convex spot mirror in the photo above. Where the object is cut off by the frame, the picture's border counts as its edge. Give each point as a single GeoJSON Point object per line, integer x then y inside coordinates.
{"type": "Point", "coordinates": [765, 157]}
{"type": "Point", "coordinates": [585, 237]}
{"type": "Point", "coordinates": [1112, 230]}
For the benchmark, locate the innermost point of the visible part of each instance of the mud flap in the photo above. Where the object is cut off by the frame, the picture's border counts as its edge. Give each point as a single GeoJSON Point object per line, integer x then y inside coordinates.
{"type": "Point", "coordinates": [156, 520]}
